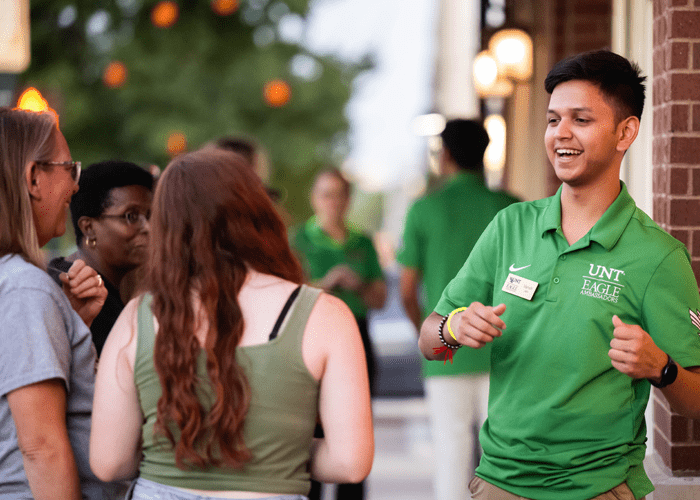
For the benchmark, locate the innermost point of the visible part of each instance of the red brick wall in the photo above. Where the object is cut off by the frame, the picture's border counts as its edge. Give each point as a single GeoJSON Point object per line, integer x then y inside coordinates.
{"type": "Point", "coordinates": [676, 439]}
{"type": "Point", "coordinates": [580, 26]}
{"type": "Point", "coordinates": [676, 160]}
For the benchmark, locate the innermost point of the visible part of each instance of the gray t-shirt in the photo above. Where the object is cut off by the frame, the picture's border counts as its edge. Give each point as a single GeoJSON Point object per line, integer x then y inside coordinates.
{"type": "Point", "coordinates": [42, 338]}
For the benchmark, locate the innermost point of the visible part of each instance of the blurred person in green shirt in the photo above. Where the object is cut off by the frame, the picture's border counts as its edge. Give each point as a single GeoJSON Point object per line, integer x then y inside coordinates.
{"type": "Point", "coordinates": [440, 231]}
{"type": "Point", "coordinates": [342, 261]}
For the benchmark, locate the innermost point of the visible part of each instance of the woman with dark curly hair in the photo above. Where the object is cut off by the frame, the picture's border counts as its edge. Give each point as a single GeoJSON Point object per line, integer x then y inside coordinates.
{"type": "Point", "coordinates": [210, 384]}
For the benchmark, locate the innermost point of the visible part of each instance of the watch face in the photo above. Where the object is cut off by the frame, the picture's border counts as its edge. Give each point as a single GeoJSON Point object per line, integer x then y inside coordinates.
{"type": "Point", "coordinates": [668, 374]}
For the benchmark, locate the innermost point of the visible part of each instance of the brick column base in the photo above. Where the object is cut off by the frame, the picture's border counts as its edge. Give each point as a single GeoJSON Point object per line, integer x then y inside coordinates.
{"type": "Point", "coordinates": [676, 161]}
{"type": "Point", "coordinates": [676, 438]}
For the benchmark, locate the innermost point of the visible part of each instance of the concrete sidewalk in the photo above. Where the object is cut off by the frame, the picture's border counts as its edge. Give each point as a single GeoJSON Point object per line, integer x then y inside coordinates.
{"type": "Point", "coordinates": [403, 460]}
{"type": "Point", "coordinates": [402, 468]}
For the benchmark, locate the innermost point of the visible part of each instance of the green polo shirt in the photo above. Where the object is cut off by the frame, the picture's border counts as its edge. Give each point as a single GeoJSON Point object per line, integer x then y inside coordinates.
{"type": "Point", "coordinates": [562, 422]}
{"type": "Point", "coordinates": [319, 253]}
{"type": "Point", "coordinates": [440, 230]}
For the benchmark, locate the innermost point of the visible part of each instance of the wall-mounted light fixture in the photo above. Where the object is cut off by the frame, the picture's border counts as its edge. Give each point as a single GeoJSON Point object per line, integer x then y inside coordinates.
{"type": "Point", "coordinates": [495, 155]}
{"type": "Point", "coordinates": [508, 60]}
{"type": "Point", "coordinates": [486, 77]}
{"type": "Point", "coordinates": [496, 71]}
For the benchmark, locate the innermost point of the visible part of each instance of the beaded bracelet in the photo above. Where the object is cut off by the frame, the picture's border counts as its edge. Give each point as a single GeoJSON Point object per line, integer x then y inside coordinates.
{"type": "Point", "coordinates": [448, 349]}
{"type": "Point", "coordinates": [442, 338]}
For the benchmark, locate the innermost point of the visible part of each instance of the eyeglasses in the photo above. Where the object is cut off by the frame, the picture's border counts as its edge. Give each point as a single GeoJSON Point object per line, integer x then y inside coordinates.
{"type": "Point", "coordinates": [131, 218]}
{"type": "Point", "coordinates": [75, 167]}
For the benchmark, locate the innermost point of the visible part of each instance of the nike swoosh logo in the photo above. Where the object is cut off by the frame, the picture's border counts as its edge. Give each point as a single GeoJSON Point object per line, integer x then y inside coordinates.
{"type": "Point", "coordinates": [516, 269]}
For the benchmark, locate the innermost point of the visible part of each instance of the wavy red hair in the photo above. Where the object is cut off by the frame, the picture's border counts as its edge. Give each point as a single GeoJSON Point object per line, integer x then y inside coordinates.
{"type": "Point", "coordinates": [211, 221]}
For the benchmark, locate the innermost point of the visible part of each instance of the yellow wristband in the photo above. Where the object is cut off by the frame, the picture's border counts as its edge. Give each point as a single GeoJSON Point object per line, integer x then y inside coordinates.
{"type": "Point", "coordinates": [449, 318]}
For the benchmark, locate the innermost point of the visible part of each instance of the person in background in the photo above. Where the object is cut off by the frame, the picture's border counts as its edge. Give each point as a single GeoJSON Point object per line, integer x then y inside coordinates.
{"type": "Point", "coordinates": [110, 216]}
{"type": "Point", "coordinates": [342, 261]}
{"type": "Point", "coordinates": [440, 231]}
{"type": "Point", "coordinates": [586, 302]}
{"type": "Point", "coordinates": [210, 384]}
{"type": "Point", "coordinates": [257, 159]}
{"type": "Point", "coordinates": [254, 153]}
{"type": "Point", "coordinates": [47, 360]}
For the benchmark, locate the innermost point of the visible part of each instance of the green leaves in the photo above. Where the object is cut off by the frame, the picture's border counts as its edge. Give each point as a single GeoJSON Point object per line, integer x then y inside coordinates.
{"type": "Point", "coordinates": [203, 77]}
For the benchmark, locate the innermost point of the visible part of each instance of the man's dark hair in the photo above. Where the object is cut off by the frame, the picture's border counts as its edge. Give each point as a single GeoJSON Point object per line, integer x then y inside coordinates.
{"type": "Point", "coordinates": [96, 184]}
{"type": "Point", "coordinates": [618, 79]}
{"type": "Point", "coordinates": [247, 149]}
{"type": "Point", "coordinates": [238, 145]}
{"type": "Point", "coordinates": [466, 140]}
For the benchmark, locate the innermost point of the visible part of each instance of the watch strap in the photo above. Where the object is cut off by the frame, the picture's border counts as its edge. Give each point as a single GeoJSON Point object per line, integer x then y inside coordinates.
{"type": "Point", "coordinates": [668, 374]}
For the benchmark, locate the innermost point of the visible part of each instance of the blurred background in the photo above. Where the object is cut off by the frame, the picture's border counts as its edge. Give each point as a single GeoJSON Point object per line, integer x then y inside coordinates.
{"type": "Point", "coordinates": [365, 85]}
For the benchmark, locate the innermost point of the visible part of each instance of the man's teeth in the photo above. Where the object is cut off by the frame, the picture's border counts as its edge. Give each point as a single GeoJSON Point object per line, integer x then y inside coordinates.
{"type": "Point", "coordinates": [569, 151]}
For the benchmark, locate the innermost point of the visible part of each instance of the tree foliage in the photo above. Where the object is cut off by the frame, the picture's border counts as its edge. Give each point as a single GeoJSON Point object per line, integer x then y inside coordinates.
{"type": "Point", "coordinates": [203, 77]}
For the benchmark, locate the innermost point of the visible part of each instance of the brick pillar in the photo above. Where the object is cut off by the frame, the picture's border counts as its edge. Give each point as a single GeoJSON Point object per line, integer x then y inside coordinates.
{"type": "Point", "coordinates": [676, 161]}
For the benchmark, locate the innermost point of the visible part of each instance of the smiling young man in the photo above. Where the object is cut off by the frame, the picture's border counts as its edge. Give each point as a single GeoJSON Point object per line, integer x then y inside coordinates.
{"type": "Point", "coordinates": [599, 302]}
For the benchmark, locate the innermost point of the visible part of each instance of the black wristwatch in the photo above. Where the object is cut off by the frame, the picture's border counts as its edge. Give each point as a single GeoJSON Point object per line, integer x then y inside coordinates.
{"type": "Point", "coordinates": [668, 374]}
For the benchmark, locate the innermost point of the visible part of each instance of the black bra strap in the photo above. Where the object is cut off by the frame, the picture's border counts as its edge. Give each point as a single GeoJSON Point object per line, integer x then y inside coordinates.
{"type": "Point", "coordinates": [283, 314]}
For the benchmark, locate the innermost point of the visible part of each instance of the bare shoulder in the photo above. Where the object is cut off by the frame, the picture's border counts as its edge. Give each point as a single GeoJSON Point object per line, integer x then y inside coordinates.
{"type": "Point", "coordinates": [128, 318]}
{"type": "Point", "coordinates": [122, 338]}
{"type": "Point", "coordinates": [331, 332]}
{"type": "Point", "coordinates": [330, 311]}
{"type": "Point", "coordinates": [332, 323]}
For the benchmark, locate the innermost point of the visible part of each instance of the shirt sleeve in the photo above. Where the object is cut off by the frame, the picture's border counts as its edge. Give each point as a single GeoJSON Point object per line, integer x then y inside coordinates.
{"type": "Point", "coordinates": [34, 345]}
{"type": "Point", "coordinates": [671, 309]}
{"type": "Point", "coordinates": [474, 281]}
{"type": "Point", "coordinates": [412, 245]}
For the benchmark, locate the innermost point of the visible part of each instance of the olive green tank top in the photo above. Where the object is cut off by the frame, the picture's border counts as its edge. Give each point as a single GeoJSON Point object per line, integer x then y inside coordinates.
{"type": "Point", "coordinates": [278, 427]}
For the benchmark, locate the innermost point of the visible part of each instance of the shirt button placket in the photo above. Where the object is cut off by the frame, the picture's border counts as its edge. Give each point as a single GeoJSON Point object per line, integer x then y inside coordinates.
{"type": "Point", "coordinates": [552, 293]}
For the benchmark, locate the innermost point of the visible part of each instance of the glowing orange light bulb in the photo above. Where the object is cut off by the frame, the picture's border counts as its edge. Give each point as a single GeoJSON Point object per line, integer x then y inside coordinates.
{"type": "Point", "coordinates": [114, 74]}
{"type": "Point", "coordinates": [224, 7]}
{"type": "Point", "coordinates": [277, 93]}
{"type": "Point", "coordinates": [32, 100]}
{"type": "Point", "coordinates": [164, 14]}
{"type": "Point", "coordinates": [177, 143]}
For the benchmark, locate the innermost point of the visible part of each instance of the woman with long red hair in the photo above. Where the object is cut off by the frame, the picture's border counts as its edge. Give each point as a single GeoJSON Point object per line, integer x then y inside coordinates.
{"type": "Point", "coordinates": [210, 384]}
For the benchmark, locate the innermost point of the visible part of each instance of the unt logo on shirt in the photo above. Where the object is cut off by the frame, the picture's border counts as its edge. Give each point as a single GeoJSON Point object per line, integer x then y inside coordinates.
{"type": "Point", "coordinates": [603, 283]}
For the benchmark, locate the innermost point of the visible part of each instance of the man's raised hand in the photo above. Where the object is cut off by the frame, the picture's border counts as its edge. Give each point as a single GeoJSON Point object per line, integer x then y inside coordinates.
{"type": "Point", "coordinates": [478, 325]}
{"type": "Point", "coordinates": [634, 353]}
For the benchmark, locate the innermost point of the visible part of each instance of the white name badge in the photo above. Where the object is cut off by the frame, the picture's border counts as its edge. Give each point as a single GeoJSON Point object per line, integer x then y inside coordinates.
{"type": "Point", "coordinates": [522, 287]}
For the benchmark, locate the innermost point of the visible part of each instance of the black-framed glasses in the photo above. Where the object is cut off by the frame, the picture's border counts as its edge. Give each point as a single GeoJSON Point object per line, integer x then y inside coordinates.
{"type": "Point", "coordinates": [75, 167]}
{"type": "Point", "coordinates": [131, 217]}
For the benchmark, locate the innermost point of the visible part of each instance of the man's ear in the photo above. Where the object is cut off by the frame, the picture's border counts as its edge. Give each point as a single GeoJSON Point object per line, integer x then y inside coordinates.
{"type": "Point", "coordinates": [445, 155]}
{"type": "Point", "coordinates": [446, 162]}
{"type": "Point", "coordinates": [34, 180]}
{"type": "Point", "coordinates": [627, 131]}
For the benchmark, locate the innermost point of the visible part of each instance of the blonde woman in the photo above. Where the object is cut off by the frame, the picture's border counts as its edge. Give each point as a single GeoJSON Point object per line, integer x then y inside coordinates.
{"type": "Point", "coordinates": [47, 360]}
